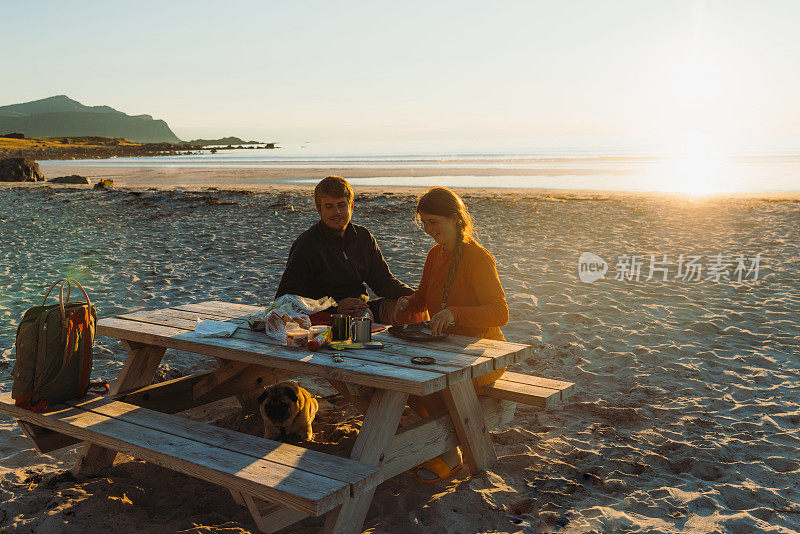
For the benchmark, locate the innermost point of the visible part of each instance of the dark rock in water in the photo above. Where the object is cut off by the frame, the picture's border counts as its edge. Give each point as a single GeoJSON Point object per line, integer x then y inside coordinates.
{"type": "Point", "coordinates": [71, 179]}
{"type": "Point", "coordinates": [14, 135]}
{"type": "Point", "coordinates": [20, 170]}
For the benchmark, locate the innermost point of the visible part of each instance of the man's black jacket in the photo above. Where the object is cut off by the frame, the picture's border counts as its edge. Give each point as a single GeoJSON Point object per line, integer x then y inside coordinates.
{"type": "Point", "coordinates": [321, 263]}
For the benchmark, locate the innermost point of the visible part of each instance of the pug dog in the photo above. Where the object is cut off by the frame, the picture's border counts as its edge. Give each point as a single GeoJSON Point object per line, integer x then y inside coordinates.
{"type": "Point", "coordinates": [287, 409]}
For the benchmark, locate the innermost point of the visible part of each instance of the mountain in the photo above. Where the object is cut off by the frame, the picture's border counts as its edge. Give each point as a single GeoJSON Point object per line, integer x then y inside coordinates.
{"type": "Point", "coordinates": [60, 116]}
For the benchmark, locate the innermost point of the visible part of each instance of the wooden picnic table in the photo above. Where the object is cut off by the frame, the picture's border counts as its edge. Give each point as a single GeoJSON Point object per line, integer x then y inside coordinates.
{"type": "Point", "coordinates": [281, 483]}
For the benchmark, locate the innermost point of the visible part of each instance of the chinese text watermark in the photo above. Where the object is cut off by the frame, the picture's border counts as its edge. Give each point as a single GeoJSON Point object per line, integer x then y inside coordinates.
{"type": "Point", "coordinates": [663, 267]}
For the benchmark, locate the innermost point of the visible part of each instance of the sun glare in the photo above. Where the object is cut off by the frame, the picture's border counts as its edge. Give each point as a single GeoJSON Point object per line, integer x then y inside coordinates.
{"type": "Point", "coordinates": [697, 165]}
{"type": "Point", "coordinates": [698, 169]}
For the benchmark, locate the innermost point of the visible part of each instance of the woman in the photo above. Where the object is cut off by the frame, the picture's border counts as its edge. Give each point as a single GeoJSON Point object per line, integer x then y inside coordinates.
{"type": "Point", "coordinates": [461, 291]}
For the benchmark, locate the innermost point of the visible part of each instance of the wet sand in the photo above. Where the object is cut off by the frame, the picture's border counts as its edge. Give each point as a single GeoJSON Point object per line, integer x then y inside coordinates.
{"type": "Point", "coordinates": [267, 178]}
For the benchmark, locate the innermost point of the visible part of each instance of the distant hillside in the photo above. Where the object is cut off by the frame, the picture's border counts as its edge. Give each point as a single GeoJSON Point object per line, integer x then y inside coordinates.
{"type": "Point", "coordinates": [223, 141]}
{"type": "Point", "coordinates": [60, 116]}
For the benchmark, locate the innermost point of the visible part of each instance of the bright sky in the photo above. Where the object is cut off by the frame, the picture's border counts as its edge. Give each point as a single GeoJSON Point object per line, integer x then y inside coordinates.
{"type": "Point", "coordinates": [416, 69]}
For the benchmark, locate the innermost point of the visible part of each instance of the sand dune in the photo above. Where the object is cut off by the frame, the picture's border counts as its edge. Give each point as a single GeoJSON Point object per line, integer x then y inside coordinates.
{"type": "Point", "coordinates": [687, 410]}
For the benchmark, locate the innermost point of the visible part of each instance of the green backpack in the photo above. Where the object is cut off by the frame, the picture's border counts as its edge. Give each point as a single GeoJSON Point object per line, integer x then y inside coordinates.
{"type": "Point", "coordinates": [54, 351]}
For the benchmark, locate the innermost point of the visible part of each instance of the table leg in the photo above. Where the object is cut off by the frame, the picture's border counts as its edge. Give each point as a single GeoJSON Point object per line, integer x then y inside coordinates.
{"type": "Point", "coordinates": [374, 438]}
{"type": "Point", "coordinates": [138, 371]}
{"type": "Point", "coordinates": [467, 416]}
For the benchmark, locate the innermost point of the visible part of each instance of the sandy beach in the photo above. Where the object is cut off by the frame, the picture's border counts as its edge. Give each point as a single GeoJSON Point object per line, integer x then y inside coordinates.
{"type": "Point", "coordinates": [687, 410]}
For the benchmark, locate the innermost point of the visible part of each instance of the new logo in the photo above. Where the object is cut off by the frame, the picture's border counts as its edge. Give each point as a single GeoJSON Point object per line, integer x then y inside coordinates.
{"type": "Point", "coordinates": [591, 267]}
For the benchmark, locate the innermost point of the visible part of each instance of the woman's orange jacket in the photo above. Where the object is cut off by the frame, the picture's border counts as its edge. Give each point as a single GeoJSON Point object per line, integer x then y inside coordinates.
{"type": "Point", "coordinates": [476, 297]}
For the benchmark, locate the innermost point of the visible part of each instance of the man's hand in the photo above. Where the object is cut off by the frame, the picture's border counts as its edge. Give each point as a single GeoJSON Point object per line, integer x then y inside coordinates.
{"type": "Point", "coordinates": [399, 307]}
{"type": "Point", "coordinates": [441, 320]}
{"type": "Point", "coordinates": [351, 306]}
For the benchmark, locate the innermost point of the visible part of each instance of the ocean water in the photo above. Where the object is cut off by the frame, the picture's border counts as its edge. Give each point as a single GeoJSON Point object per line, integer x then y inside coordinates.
{"type": "Point", "coordinates": [695, 165]}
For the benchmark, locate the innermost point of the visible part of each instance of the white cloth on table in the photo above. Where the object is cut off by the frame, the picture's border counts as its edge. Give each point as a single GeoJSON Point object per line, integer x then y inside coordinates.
{"type": "Point", "coordinates": [211, 328]}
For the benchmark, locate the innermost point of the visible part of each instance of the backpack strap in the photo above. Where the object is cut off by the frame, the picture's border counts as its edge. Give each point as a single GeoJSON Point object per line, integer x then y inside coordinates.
{"type": "Point", "coordinates": [24, 402]}
{"type": "Point", "coordinates": [49, 289]}
{"type": "Point", "coordinates": [82, 328]}
{"type": "Point", "coordinates": [100, 388]}
{"type": "Point", "coordinates": [79, 286]}
{"type": "Point", "coordinates": [62, 301]}
{"type": "Point", "coordinates": [86, 364]}
{"type": "Point", "coordinates": [61, 295]}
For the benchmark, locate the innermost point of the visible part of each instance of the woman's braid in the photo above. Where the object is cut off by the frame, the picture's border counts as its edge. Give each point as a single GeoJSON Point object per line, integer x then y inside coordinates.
{"type": "Point", "coordinates": [451, 272]}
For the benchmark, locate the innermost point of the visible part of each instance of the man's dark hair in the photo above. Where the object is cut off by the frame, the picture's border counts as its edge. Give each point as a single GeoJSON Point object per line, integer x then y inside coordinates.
{"type": "Point", "coordinates": [334, 187]}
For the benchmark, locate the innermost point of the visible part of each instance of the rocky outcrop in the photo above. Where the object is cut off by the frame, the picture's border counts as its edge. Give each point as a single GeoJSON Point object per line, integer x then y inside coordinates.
{"type": "Point", "coordinates": [94, 147]}
{"type": "Point", "coordinates": [89, 148]}
{"type": "Point", "coordinates": [71, 179]}
{"type": "Point", "coordinates": [20, 170]}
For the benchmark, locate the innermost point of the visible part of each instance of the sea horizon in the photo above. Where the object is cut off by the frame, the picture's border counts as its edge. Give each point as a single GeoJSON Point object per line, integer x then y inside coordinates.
{"type": "Point", "coordinates": [694, 166]}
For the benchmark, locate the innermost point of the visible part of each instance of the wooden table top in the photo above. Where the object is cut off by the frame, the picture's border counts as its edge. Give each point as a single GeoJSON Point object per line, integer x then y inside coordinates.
{"type": "Point", "coordinates": [457, 358]}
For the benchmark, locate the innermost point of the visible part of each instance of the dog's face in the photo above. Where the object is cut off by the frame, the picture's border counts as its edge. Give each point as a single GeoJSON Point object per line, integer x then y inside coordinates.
{"type": "Point", "coordinates": [287, 410]}
{"type": "Point", "coordinates": [280, 403]}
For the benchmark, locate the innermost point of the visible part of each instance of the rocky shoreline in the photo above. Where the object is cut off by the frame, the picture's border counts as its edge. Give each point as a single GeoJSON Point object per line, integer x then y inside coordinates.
{"type": "Point", "coordinates": [68, 148]}
{"type": "Point", "coordinates": [94, 152]}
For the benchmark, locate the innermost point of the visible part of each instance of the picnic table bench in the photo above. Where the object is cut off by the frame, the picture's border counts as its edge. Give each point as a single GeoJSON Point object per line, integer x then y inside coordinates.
{"type": "Point", "coordinates": [280, 483]}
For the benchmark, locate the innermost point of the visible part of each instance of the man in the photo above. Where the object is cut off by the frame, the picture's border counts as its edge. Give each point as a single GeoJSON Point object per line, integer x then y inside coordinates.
{"type": "Point", "coordinates": [336, 258]}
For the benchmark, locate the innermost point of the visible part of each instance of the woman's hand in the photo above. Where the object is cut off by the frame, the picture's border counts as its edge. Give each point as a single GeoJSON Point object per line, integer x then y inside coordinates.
{"type": "Point", "coordinates": [399, 307]}
{"type": "Point", "coordinates": [441, 320]}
